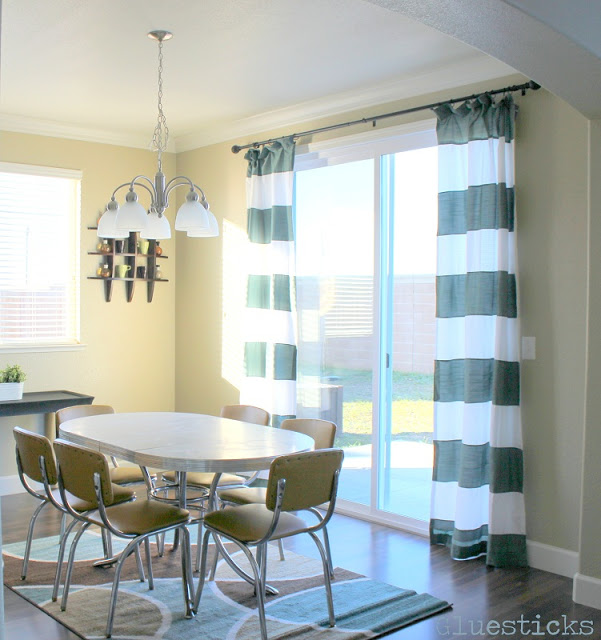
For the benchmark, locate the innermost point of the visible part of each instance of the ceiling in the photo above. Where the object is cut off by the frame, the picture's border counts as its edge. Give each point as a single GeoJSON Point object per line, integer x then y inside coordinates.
{"type": "Point", "coordinates": [234, 67]}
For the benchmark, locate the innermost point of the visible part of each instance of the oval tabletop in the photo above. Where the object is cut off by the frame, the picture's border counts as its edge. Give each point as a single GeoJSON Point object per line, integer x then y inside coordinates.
{"type": "Point", "coordinates": [184, 441]}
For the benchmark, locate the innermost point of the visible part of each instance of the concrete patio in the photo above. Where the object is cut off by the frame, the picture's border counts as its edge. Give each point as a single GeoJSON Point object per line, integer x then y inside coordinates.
{"type": "Point", "coordinates": [410, 478]}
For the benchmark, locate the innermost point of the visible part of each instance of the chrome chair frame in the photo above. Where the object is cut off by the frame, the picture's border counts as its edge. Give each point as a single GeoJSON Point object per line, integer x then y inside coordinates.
{"type": "Point", "coordinates": [48, 497]}
{"type": "Point", "coordinates": [327, 442]}
{"type": "Point", "coordinates": [259, 565]}
{"type": "Point", "coordinates": [132, 547]}
{"type": "Point", "coordinates": [106, 540]}
{"type": "Point", "coordinates": [45, 500]}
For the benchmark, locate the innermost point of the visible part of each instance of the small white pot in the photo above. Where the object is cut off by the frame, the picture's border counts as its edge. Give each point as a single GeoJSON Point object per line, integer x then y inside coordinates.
{"type": "Point", "coordinates": [11, 390]}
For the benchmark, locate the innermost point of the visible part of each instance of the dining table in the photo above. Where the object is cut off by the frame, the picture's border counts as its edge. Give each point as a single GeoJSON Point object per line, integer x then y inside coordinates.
{"type": "Point", "coordinates": [185, 442]}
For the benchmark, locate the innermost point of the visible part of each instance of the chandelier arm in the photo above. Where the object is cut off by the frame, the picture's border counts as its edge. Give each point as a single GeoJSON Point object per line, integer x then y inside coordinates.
{"type": "Point", "coordinates": [187, 183]}
{"type": "Point", "coordinates": [140, 184]}
{"type": "Point", "coordinates": [171, 184]}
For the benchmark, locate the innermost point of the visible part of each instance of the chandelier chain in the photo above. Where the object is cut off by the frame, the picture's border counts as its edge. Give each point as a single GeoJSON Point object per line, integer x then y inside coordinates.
{"type": "Point", "coordinates": [161, 131]}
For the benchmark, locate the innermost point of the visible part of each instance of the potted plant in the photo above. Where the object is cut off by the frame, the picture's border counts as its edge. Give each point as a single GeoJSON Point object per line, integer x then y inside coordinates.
{"type": "Point", "coordinates": [12, 378]}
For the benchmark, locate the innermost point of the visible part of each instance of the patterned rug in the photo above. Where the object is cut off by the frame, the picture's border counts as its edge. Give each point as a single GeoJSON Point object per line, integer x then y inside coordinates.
{"type": "Point", "coordinates": [364, 608]}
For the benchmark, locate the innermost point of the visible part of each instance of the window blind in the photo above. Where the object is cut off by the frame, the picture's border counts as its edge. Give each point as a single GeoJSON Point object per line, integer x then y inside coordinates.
{"type": "Point", "coordinates": [39, 255]}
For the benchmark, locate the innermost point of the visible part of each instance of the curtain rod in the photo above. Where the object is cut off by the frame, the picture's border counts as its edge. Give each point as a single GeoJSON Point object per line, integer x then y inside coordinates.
{"type": "Point", "coordinates": [373, 119]}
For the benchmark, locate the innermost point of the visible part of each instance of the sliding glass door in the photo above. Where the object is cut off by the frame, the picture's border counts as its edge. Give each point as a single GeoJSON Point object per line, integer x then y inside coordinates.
{"type": "Point", "coordinates": [366, 237]}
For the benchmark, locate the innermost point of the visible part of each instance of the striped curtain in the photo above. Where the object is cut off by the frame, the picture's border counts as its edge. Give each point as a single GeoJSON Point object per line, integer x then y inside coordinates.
{"type": "Point", "coordinates": [477, 493]}
{"type": "Point", "coordinates": [270, 323]}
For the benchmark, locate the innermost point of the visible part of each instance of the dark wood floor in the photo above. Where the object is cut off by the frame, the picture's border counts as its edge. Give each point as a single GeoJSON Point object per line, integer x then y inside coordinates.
{"type": "Point", "coordinates": [521, 601]}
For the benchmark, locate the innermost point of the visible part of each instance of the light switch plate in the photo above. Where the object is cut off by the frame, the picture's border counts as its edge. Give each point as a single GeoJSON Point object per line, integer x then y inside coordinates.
{"type": "Point", "coordinates": [528, 348]}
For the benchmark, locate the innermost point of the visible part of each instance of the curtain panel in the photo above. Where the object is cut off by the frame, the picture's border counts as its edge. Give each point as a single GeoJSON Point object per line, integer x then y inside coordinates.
{"type": "Point", "coordinates": [477, 491]}
{"type": "Point", "coordinates": [270, 340]}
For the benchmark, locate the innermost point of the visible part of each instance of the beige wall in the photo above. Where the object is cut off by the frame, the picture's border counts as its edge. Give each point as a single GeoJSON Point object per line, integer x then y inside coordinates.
{"type": "Point", "coordinates": [551, 159]}
{"type": "Point", "coordinates": [552, 202]}
{"type": "Point", "coordinates": [128, 360]}
{"type": "Point", "coordinates": [590, 559]}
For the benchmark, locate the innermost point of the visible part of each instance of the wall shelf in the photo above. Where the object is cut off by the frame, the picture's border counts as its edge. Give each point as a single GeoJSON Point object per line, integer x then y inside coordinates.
{"type": "Point", "coordinates": [130, 256]}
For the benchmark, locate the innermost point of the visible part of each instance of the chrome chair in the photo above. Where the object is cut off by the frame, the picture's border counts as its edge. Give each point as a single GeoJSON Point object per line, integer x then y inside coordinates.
{"type": "Point", "coordinates": [323, 432]}
{"type": "Point", "coordinates": [84, 473]}
{"type": "Point", "coordinates": [36, 461]}
{"type": "Point", "coordinates": [119, 475]}
{"type": "Point", "coordinates": [254, 525]}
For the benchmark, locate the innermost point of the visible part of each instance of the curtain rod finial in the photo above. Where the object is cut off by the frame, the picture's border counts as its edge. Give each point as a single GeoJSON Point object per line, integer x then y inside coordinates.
{"type": "Point", "coordinates": [236, 149]}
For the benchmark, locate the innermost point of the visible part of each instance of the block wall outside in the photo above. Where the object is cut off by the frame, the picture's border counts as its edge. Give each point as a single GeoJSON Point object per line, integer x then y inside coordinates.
{"type": "Point", "coordinates": [337, 312]}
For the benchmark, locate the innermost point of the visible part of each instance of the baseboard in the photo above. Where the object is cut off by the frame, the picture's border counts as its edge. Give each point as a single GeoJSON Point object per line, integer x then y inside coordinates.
{"type": "Point", "coordinates": [587, 591]}
{"type": "Point", "coordinates": [10, 485]}
{"type": "Point", "coordinates": [553, 559]}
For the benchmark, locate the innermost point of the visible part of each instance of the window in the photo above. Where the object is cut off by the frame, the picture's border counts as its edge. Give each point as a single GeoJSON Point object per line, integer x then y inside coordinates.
{"type": "Point", "coordinates": [39, 256]}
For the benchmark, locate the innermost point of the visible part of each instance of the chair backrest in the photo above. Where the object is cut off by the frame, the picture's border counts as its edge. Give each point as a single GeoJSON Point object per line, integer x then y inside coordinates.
{"type": "Point", "coordinates": [245, 413]}
{"type": "Point", "coordinates": [80, 411]}
{"type": "Point", "coordinates": [76, 468]}
{"type": "Point", "coordinates": [310, 479]}
{"type": "Point", "coordinates": [30, 446]}
{"type": "Point", "coordinates": [322, 431]}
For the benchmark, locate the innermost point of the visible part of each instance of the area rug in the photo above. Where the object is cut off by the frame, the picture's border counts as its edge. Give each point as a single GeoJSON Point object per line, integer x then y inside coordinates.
{"type": "Point", "coordinates": [364, 608]}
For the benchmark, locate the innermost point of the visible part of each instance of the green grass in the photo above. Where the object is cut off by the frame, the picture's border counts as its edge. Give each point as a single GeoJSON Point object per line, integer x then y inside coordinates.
{"type": "Point", "coordinates": [412, 406]}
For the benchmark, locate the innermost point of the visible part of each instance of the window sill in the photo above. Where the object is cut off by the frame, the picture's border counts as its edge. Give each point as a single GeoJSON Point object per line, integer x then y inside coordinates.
{"type": "Point", "coordinates": [41, 348]}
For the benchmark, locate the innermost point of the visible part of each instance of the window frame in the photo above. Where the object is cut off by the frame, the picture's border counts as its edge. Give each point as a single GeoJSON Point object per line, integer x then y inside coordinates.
{"type": "Point", "coordinates": [74, 242]}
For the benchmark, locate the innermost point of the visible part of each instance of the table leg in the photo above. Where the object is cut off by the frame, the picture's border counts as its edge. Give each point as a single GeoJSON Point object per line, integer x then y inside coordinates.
{"type": "Point", "coordinates": [182, 477]}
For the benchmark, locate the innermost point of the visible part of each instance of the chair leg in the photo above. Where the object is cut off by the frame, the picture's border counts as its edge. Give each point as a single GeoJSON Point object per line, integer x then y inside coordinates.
{"type": "Point", "coordinates": [70, 565]}
{"type": "Point", "coordinates": [149, 564]}
{"type": "Point", "coordinates": [63, 525]}
{"type": "Point", "coordinates": [260, 580]}
{"type": "Point", "coordinates": [203, 569]}
{"type": "Point", "coordinates": [326, 576]}
{"type": "Point", "coordinates": [107, 543]}
{"type": "Point", "coordinates": [133, 546]}
{"type": "Point", "coordinates": [34, 517]}
{"type": "Point", "coordinates": [281, 550]}
{"type": "Point", "coordinates": [139, 563]}
{"type": "Point", "coordinates": [214, 565]}
{"type": "Point", "coordinates": [187, 578]}
{"type": "Point", "coordinates": [326, 543]}
{"type": "Point", "coordinates": [59, 561]}
{"type": "Point", "coordinates": [160, 539]}
{"type": "Point", "coordinates": [262, 561]}
{"type": "Point", "coordinates": [198, 545]}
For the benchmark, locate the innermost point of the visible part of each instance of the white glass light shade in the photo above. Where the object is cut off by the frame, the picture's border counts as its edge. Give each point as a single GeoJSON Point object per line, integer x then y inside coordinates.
{"type": "Point", "coordinates": [191, 216]}
{"type": "Point", "coordinates": [211, 232]}
{"type": "Point", "coordinates": [107, 226]}
{"type": "Point", "coordinates": [157, 227]}
{"type": "Point", "coordinates": [132, 215]}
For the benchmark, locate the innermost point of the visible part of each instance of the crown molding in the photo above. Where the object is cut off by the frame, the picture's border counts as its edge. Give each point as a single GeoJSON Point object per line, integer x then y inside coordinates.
{"type": "Point", "coordinates": [53, 129]}
{"type": "Point", "coordinates": [476, 68]}
{"type": "Point", "coordinates": [479, 68]}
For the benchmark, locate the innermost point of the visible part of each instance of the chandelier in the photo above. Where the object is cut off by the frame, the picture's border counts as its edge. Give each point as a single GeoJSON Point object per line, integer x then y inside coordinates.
{"type": "Point", "coordinates": [193, 217]}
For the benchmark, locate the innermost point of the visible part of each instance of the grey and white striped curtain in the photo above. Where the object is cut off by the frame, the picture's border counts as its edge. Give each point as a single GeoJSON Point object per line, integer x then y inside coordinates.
{"type": "Point", "coordinates": [477, 494]}
{"type": "Point", "coordinates": [270, 322]}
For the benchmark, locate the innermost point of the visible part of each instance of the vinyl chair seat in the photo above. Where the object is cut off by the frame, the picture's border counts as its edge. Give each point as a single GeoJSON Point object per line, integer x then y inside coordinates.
{"type": "Point", "coordinates": [244, 495]}
{"type": "Point", "coordinates": [204, 479]}
{"type": "Point", "coordinates": [252, 521]}
{"type": "Point", "coordinates": [142, 516]}
{"type": "Point", "coordinates": [126, 475]}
